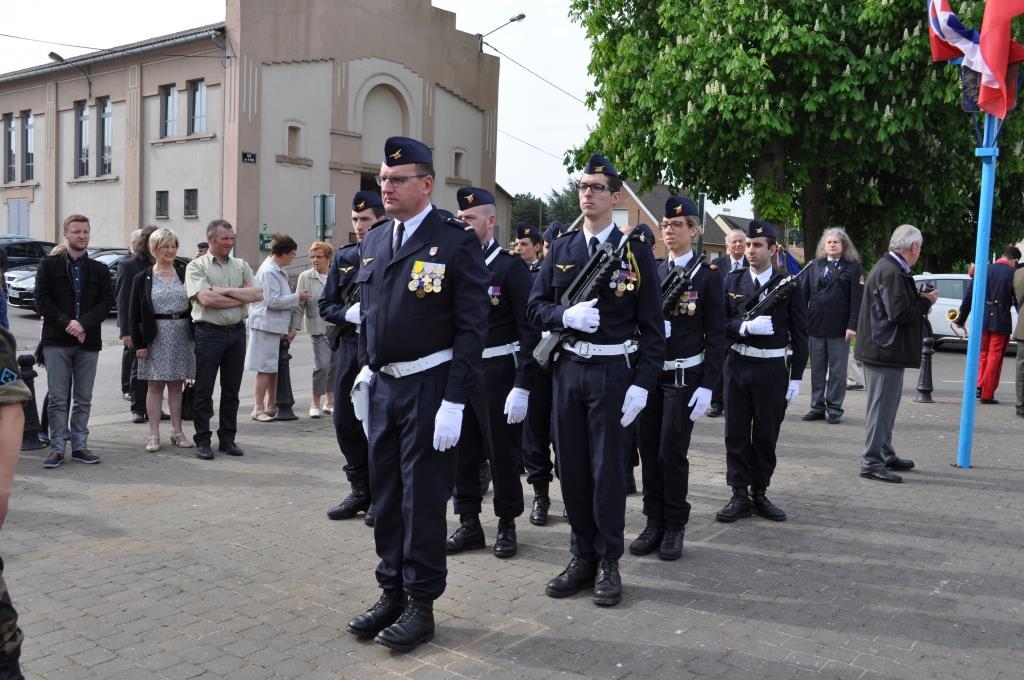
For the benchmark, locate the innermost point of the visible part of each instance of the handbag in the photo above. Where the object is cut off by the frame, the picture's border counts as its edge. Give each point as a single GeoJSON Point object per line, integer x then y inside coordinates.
{"type": "Point", "coordinates": [187, 399]}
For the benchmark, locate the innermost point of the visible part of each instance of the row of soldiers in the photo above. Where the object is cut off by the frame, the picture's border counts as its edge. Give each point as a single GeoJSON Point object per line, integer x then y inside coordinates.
{"type": "Point", "coordinates": [438, 326]}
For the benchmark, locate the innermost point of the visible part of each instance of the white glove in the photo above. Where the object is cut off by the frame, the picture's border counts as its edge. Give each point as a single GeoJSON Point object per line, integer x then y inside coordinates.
{"type": "Point", "coordinates": [515, 405]}
{"type": "Point", "coordinates": [360, 395]}
{"type": "Point", "coordinates": [792, 392]}
{"type": "Point", "coordinates": [700, 401]}
{"type": "Point", "coordinates": [447, 425]}
{"type": "Point", "coordinates": [761, 325]}
{"type": "Point", "coordinates": [582, 317]}
{"type": "Point", "coordinates": [352, 314]}
{"type": "Point", "coordinates": [636, 399]}
{"type": "Point", "coordinates": [668, 330]}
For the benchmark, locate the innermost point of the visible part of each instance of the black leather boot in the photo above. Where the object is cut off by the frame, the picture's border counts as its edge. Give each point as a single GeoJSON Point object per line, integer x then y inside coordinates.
{"type": "Point", "coordinates": [649, 539]}
{"type": "Point", "coordinates": [738, 506]}
{"type": "Point", "coordinates": [415, 625]}
{"type": "Point", "coordinates": [382, 614]}
{"type": "Point", "coordinates": [369, 517]}
{"type": "Point", "coordinates": [764, 508]}
{"type": "Point", "coordinates": [630, 481]}
{"type": "Point", "coordinates": [541, 504]}
{"type": "Point", "coordinates": [671, 543]}
{"type": "Point", "coordinates": [485, 477]}
{"type": "Point", "coordinates": [469, 535]}
{"type": "Point", "coordinates": [577, 576]}
{"type": "Point", "coordinates": [607, 584]}
{"type": "Point", "coordinates": [356, 502]}
{"type": "Point", "coordinates": [505, 543]}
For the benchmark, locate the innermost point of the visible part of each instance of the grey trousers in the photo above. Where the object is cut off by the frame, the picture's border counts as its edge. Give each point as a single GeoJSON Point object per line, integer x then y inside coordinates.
{"type": "Point", "coordinates": [70, 372]}
{"type": "Point", "coordinates": [1020, 377]}
{"type": "Point", "coordinates": [884, 388]}
{"type": "Point", "coordinates": [324, 361]}
{"type": "Point", "coordinates": [828, 374]}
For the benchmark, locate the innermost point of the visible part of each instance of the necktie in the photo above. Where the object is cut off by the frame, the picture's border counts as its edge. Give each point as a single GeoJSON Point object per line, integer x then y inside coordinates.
{"type": "Point", "coordinates": [397, 243]}
{"type": "Point", "coordinates": [735, 265]}
{"type": "Point", "coordinates": [828, 270]}
{"type": "Point", "coordinates": [594, 245]}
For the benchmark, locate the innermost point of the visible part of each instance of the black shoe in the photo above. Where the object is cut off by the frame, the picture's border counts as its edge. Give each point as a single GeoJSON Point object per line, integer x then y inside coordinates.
{"type": "Point", "coordinates": [882, 476]}
{"type": "Point", "coordinates": [989, 401]}
{"type": "Point", "coordinates": [607, 584]}
{"type": "Point", "coordinates": [165, 416]}
{"type": "Point", "coordinates": [138, 418]}
{"type": "Point", "coordinates": [856, 387]}
{"type": "Point", "coordinates": [833, 420]}
{"type": "Point", "coordinates": [356, 502]}
{"type": "Point", "coordinates": [469, 535]}
{"type": "Point", "coordinates": [897, 463]}
{"type": "Point", "coordinates": [715, 411]}
{"type": "Point", "coordinates": [539, 514]}
{"type": "Point", "coordinates": [204, 452]}
{"type": "Point", "coordinates": [764, 507]}
{"type": "Point", "coordinates": [505, 543]}
{"type": "Point", "coordinates": [648, 540]}
{"type": "Point", "coordinates": [671, 543]}
{"type": "Point", "coordinates": [1020, 413]}
{"type": "Point", "coordinates": [415, 625]}
{"type": "Point", "coordinates": [231, 449]}
{"type": "Point", "coordinates": [630, 482]}
{"type": "Point", "coordinates": [577, 576]}
{"type": "Point", "coordinates": [977, 393]}
{"type": "Point", "coordinates": [85, 456]}
{"type": "Point", "coordinates": [737, 507]}
{"type": "Point", "coordinates": [382, 614]}
{"type": "Point", "coordinates": [485, 477]}
{"type": "Point", "coordinates": [369, 518]}
{"type": "Point", "coordinates": [813, 415]}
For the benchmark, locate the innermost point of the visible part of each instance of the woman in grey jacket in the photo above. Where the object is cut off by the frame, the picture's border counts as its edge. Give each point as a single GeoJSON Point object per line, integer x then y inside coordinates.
{"type": "Point", "coordinates": [268, 321]}
{"type": "Point", "coordinates": [324, 357]}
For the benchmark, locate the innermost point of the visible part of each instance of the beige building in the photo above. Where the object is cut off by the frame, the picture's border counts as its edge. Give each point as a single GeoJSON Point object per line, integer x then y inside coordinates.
{"type": "Point", "coordinates": [245, 119]}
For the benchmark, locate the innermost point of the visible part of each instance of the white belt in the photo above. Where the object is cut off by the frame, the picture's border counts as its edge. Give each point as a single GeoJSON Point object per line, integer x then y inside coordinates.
{"type": "Point", "coordinates": [748, 351]}
{"type": "Point", "coordinates": [687, 362]}
{"type": "Point", "coordinates": [501, 350]}
{"type": "Point", "coordinates": [589, 349]}
{"type": "Point", "coordinates": [401, 369]}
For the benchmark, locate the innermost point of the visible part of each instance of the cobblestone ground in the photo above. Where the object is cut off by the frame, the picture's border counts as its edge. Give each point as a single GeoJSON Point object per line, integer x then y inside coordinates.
{"type": "Point", "coordinates": [165, 566]}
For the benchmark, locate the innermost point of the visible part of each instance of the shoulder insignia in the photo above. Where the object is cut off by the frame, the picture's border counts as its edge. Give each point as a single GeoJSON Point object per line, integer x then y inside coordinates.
{"type": "Point", "coordinates": [346, 270]}
{"type": "Point", "coordinates": [565, 267]}
{"type": "Point", "coordinates": [568, 232]}
{"type": "Point", "coordinates": [713, 267]}
{"type": "Point", "coordinates": [367, 260]}
{"type": "Point", "coordinates": [736, 296]}
{"type": "Point", "coordinates": [456, 222]}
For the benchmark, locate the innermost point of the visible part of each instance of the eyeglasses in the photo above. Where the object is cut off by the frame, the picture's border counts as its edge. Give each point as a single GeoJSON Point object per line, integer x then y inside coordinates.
{"type": "Point", "coordinates": [596, 188]}
{"type": "Point", "coordinates": [396, 180]}
{"type": "Point", "coordinates": [673, 225]}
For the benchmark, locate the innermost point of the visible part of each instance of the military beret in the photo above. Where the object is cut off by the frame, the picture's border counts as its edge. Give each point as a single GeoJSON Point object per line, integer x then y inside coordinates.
{"type": "Point", "coordinates": [471, 197]}
{"type": "Point", "coordinates": [404, 150]}
{"type": "Point", "coordinates": [528, 231]}
{"type": "Point", "coordinates": [599, 165]}
{"type": "Point", "coordinates": [759, 229]}
{"type": "Point", "coordinates": [679, 206]}
{"type": "Point", "coordinates": [364, 200]}
{"type": "Point", "coordinates": [553, 231]}
{"type": "Point", "coordinates": [644, 233]}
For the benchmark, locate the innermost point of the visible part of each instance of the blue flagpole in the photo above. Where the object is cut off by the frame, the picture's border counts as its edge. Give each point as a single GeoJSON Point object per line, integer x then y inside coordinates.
{"type": "Point", "coordinates": [988, 152]}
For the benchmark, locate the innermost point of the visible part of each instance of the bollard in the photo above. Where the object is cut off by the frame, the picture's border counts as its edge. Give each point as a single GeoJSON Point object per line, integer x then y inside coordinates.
{"type": "Point", "coordinates": [924, 379]}
{"type": "Point", "coordinates": [30, 433]}
{"type": "Point", "coordinates": [284, 397]}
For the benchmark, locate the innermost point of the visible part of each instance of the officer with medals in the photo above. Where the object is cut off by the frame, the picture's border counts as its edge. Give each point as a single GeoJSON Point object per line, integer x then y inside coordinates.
{"type": "Point", "coordinates": [530, 246]}
{"type": "Point", "coordinates": [695, 345]}
{"type": "Point", "coordinates": [367, 210]}
{"type": "Point", "coordinates": [423, 308]}
{"type": "Point", "coordinates": [508, 373]}
{"type": "Point", "coordinates": [602, 377]}
{"type": "Point", "coordinates": [759, 382]}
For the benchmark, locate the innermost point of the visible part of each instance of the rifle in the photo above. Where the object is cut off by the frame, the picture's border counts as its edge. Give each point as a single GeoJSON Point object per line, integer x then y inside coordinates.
{"type": "Point", "coordinates": [780, 293]}
{"type": "Point", "coordinates": [676, 283]}
{"type": "Point", "coordinates": [349, 296]}
{"type": "Point", "coordinates": [596, 274]}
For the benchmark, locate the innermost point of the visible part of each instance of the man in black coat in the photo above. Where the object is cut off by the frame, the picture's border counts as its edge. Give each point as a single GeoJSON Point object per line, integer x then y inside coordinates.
{"type": "Point", "coordinates": [735, 244]}
{"type": "Point", "coordinates": [127, 269]}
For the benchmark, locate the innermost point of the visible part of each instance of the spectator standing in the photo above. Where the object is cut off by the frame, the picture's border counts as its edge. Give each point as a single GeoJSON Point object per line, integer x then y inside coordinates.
{"type": "Point", "coordinates": [324, 358]}
{"type": "Point", "coordinates": [128, 268]}
{"type": "Point", "coordinates": [201, 249]}
{"type": "Point", "coordinates": [889, 338]}
{"type": "Point", "coordinates": [1018, 335]}
{"type": "Point", "coordinates": [220, 287]}
{"type": "Point", "coordinates": [162, 335]}
{"type": "Point", "coordinates": [74, 295]}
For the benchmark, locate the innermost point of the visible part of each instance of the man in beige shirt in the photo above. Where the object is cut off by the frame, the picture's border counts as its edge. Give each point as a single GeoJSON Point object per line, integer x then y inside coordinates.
{"type": "Point", "coordinates": [1018, 335]}
{"type": "Point", "coordinates": [220, 287]}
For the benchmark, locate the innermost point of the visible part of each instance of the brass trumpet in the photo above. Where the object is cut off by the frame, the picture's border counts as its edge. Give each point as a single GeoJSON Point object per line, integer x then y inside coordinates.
{"type": "Point", "coordinates": [951, 316]}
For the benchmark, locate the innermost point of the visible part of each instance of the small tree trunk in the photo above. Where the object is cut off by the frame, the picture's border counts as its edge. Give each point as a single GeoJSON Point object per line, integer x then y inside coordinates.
{"type": "Point", "coordinates": [814, 209]}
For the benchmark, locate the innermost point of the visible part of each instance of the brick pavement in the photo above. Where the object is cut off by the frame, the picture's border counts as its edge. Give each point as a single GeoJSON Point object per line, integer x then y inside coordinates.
{"type": "Point", "coordinates": [165, 566]}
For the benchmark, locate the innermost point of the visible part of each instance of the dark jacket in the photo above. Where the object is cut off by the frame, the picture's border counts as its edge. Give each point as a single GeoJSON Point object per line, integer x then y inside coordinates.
{"type": "Point", "coordinates": [509, 291]}
{"type": "Point", "coordinates": [892, 314]}
{"type": "Point", "coordinates": [699, 330]}
{"type": "Point", "coordinates": [55, 299]}
{"type": "Point", "coordinates": [833, 301]}
{"type": "Point", "coordinates": [142, 321]}
{"type": "Point", "coordinates": [724, 264]}
{"type": "Point", "coordinates": [998, 298]}
{"type": "Point", "coordinates": [127, 269]}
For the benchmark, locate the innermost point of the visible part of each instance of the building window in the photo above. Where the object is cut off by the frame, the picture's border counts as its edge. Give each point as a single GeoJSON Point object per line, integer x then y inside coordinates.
{"type": "Point", "coordinates": [9, 154]}
{"type": "Point", "coordinates": [191, 202]}
{"type": "Point", "coordinates": [28, 147]}
{"type": "Point", "coordinates": [168, 111]}
{"type": "Point", "coordinates": [457, 164]}
{"type": "Point", "coordinates": [294, 140]}
{"type": "Point", "coordinates": [196, 106]}
{"type": "Point", "coordinates": [81, 139]}
{"type": "Point", "coordinates": [104, 133]}
{"type": "Point", "coordinates": [162, 207]}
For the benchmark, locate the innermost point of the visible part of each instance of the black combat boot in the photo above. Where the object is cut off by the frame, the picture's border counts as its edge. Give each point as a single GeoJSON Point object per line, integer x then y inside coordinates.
{"type": "Point", "coordinates": [607, 584]}
{"type": "Point", "coordinates": [485, 477]}
{"type": "Point", "coordinates": [505, 543]}
{"type": "Point", "coordinates": [369, 517]}
{"type": "Point", "coordinates": [738, 506]}
{"type": "Point", "coordinates": [649, 539]}
{"type": "Point", "coordinates": [764, 508]}
{"type": "Point", "coordinates": [382, 614]}
{"type": "Point", "coordinates": [356, 502]}
{"type": "Point", "coordinates": [671, 542]}
{"type": "Point", "coordinates": [541, 504]}
{"type": "Point", "coordinates": [415, 625]}
{"type": "Point", "coordinates": [469, 535]}
{"type": "Point", "coordinates": [577, 576]}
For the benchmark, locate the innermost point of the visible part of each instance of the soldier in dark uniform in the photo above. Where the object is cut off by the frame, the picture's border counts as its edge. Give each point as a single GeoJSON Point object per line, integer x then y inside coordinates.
{"type": "Point", "coordinates": [759, 383]}
{"type": "Point", "coordinates": [367, 210]}
{"type": "Point", "coordinates": [735, 244]}
{"type": "Point", "coordinates": [695, 347]}
{"type": "Point", "coordinates": [423, 307]}
{"type": "Point", "coordinates": [508, 374]}
{"type": "Point", "coordinates": [553, 231]}
{"type": "Point", "coordinates": [530, 246]}
{"type": "Point", "coordinates": [601, 381]}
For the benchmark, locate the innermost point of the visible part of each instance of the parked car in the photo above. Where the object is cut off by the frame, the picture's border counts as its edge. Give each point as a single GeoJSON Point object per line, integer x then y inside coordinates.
{"type": "Point", "coordinates": [951, 289]}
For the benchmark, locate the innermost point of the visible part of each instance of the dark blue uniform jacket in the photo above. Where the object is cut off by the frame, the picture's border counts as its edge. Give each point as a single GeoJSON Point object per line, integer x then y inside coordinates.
{"type": "Point", "coordinates": [833, 302]}
{"type": "Point", "coordinates": [705, 330]}
{"type": "Point", "coordinates": [998, 298]}
{"type": "Point", "coordinates": [508, 292]}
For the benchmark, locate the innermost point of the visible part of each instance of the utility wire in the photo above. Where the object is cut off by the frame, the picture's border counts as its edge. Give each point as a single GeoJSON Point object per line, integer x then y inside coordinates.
{"type": "Point", "coordinates": [534, 73]}
{"type": "Point", "coordinates": [532, 146]}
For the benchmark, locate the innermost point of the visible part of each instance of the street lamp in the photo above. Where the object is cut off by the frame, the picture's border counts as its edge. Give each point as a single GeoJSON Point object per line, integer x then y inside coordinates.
{"type": "Point", "coordinates": [61, 60]}
{"type": "Point", "coordinates": [511, 20]}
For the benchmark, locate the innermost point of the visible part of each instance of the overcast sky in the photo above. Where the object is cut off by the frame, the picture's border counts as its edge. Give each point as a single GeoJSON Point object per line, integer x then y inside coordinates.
{"type": "Point", "coordinates": [536, 122]}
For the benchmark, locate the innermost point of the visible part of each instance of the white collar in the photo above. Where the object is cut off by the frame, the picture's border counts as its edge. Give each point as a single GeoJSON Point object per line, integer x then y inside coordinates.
{"type": "Point", "coordinates": [602, 235]}
{"type": "Point", "coordinates": [763, 277]}
{"type": "Point", "coordinates": [412, 223]}
{"type": "Point", "coordinates": [683, 259]}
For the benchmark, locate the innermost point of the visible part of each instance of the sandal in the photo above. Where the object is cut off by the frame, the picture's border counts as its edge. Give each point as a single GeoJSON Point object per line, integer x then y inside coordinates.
{"type": "Point", "coordinates": [181, 441]}
{"type": "Point", "coordinates": [263, 418]}
{"type": "Point", "coordinates": [153, 444]}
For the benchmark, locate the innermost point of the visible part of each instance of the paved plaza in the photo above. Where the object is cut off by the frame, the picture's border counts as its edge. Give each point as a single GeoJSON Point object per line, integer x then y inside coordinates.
{"type": "Point", "coordinates": [165, 566]}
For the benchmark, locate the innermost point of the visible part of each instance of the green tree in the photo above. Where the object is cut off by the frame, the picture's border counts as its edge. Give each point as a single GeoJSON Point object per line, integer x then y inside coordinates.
{"type": "Point", "coordinates": [563, 205]}
{"type": "Point", "coordinates": [529, 209]}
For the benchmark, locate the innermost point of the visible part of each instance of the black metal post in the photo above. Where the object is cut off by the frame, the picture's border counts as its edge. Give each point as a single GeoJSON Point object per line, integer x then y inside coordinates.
{"type": "Point", "coordinates": [284, 397]}
{"type": "Point", "coordinates": [30, 433]}
{"type": "Point", "coordinates": [924, 377]}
